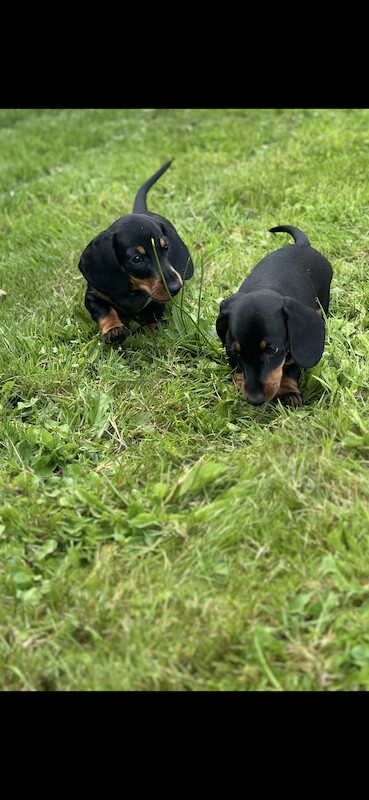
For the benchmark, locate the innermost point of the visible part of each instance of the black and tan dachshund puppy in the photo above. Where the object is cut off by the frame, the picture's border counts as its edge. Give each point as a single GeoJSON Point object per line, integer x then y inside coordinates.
{"type": "Point", "coordinates": [121, 270]}
{"type": "Point", "coordinates": [273, 325]}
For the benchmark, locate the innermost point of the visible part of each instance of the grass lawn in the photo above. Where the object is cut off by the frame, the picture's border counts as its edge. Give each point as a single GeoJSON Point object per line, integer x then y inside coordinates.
{"type": "Point", "coordinates": [157, 532]}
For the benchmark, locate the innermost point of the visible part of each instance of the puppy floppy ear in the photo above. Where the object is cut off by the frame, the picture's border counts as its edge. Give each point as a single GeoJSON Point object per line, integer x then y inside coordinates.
{"type": "Point", "coordinates": [306, 332]}
{"type": "Point", "coordinates": [221, 323]}
{"type": "Point", "coordinates": [100, 266]}
{"type": "Point", "coordinates": [179, 255]}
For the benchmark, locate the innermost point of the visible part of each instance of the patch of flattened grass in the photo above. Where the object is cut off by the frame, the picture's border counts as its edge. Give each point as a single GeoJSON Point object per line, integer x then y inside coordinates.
{"type": "Point", "coordinates": [157, 533]}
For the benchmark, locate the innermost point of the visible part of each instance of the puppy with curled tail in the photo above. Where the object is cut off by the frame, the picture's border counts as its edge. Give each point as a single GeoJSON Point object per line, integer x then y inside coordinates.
{"type": "Point", "coordinates": [273, 325]}
{"type": "Point", "coordinates": [121, 269]}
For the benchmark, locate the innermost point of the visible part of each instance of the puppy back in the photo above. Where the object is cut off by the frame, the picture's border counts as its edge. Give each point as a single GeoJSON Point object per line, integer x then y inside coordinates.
{"type": "Point", "coordinates": [299, 272]}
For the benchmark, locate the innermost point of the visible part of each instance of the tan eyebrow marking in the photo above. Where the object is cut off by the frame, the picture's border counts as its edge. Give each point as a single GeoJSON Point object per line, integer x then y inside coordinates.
{"type": "Point", "coordinates": [263, 344]}
{"type": "Point", "coordinates": [141, 250]}
{"type": "Point", "coordinates": [237, 347]}
{"type": "Point", "coordinates": [162, 242]}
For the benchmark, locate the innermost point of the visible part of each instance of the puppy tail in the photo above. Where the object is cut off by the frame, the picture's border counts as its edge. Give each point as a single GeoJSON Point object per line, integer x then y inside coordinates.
{"type": "Point", "coordinates": [298, 235]}
{"type": "Point", "coordinates": [139, 206]}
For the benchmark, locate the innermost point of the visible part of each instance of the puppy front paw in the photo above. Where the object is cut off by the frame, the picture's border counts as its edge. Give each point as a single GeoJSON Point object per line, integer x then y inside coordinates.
{"type": "Point", "coordinates": [116, 335]}
{"type": "Point", "coordinates": [292, 399]}
{"type": "Point", "coordinates": [238, 379]}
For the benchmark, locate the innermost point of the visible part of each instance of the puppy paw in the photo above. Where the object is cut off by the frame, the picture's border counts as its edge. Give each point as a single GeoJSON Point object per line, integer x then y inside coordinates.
{"type": "Point", "coordinates": [116, 335]}
{"type": "Point", "coordinates": [152, 327]}
{"type": "Point", "coordinates": [238, 379]}
{"type": "Point", "coordinates": [292, 399]}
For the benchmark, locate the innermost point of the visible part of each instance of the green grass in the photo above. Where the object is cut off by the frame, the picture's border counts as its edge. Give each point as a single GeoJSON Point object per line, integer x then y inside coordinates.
{"type": "Point", "coordinates": [156, 531]}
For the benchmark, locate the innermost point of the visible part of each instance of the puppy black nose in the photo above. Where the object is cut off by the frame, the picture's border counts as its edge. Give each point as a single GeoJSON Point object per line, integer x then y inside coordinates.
{"type": "Point", "coordinates": [174, 288]}
{"type": "Point", "coordinates": [256, 399]}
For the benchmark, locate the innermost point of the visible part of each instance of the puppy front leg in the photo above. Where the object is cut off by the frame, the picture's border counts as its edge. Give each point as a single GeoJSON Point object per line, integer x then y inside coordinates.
{"type": "Point", "coordinates": [151, 314]}
{"type": "Point", "coordinates": [112, 328]}
{"type": "Point", "coordinates": [288, 392]}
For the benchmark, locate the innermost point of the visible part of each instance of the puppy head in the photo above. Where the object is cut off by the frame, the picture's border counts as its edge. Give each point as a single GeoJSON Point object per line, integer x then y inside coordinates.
{"type": "Point", "coordinates": [258, 329]}
{"type": "Point", "coordinates": [133, 244]}
{"type": "Point", "coordinates": [121, 259]}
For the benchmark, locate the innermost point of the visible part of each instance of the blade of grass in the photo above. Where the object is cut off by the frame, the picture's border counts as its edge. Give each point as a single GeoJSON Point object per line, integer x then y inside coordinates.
{"type": "Point", "coordinates": [196, 324]}
{"type": "Point", "coordinates": [266, 666]}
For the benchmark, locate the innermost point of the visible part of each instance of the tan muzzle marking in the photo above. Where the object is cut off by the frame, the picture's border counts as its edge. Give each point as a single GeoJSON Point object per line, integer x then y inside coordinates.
{"type": "Point", "coordinates": [153, 286]}
{"type": "Point", "coordinates": [270, 387]}
{"type": "Point", "coordinates": [273, 382]}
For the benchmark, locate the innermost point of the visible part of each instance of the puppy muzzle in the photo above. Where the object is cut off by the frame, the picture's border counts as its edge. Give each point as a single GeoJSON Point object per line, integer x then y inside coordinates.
{"type": "Point", "coordinates": [160, 294]}
{"type": "Point", "coordinates": [258, 392]}
{"type": "Point", "coordinates": [256, 399]}
{"type": "Point", "coordinates": [174, 289]}
{"type": "Point", "coordinates": [155, 288]}
{"type": "Point", "coordinates": [174, 282]}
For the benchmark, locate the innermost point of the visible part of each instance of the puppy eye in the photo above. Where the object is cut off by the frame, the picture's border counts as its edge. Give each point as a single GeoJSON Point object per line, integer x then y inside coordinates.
{"type": "Point", "coordinates": [165, 248]}
{"type": "Point", "coordinates": [270, 350]}
{"type": "Point", "coordinates": [136, 259]}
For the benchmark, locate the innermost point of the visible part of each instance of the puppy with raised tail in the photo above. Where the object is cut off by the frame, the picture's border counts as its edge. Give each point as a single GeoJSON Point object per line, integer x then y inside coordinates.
{"type": "Point", "coordinates": [121, 268]}
{"type": "Point", "coordinates": [273, 326]}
